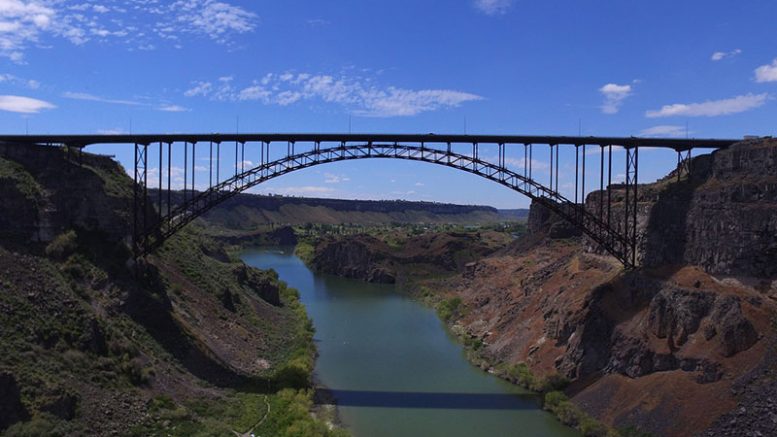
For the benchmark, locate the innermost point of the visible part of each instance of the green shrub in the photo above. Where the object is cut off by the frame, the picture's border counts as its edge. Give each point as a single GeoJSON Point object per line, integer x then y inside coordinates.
{"type": "Point", "coordinates": [136, 372]}
{"type": "Point", "coordinates": [449, 308]}
{"type": "Point", "coordinates": [62, 246]}
{"type": "Point", "coordinates": [553, 382]}
{"type": "Point", "coordinates": [24, 181]}
{"type": "Point", "coordinates": [569, 414]}
{"type": "Point", "coordinates": [41, 425]}
{"type": "Point", "coordinates": [295, 374]}
{"type": "Point", "coordinates": [522, 375]}
{"type": "Point", "coordinates": [591, 427]}
{"type": "Point", "coordinates": [305, 251]}
{"type": "Point", "coordinates": [290, 417]}
{"type": "Point", "coordinates": [553, 399]}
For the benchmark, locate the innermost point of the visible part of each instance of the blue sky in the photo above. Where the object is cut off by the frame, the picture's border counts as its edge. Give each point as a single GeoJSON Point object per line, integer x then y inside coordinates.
{"type": "Point", "coordinates": [660, 68]}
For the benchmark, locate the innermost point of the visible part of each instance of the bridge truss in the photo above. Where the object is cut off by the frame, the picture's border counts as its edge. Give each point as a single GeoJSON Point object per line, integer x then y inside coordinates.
{"type": "Point", "coordinates": [156, 216]}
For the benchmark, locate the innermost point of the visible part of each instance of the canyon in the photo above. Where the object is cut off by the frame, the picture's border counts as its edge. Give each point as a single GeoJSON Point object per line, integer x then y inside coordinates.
{"type": "Point", "coordinates": [683, 345]}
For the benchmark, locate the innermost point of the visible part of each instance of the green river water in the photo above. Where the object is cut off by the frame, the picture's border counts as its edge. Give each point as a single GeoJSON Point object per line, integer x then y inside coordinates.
{"type": "Point", "coordinates": [393, 367]}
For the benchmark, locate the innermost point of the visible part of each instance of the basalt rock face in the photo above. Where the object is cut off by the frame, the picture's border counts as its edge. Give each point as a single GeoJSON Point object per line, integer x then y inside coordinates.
{"type": "Point", "coordinates": [669, 325]}
{"type": "Point", "coordinates": [430, 254]}
{"type": "Point", "coordinates": [543, 221]}
{"type": "Point", "coordinates": [41, 206]}
{"type": "Point", "coordinates": [262, 283]}
{"type": "Point", "coordinates": [723, 218]}
{"type": "Point", "coordinates": [363, 258]}
{"type": "Point", "coordinates": [663, 349]}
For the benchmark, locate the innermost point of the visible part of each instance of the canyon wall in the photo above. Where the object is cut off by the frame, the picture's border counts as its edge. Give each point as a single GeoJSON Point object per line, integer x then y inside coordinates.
{"type": "Point", "coordinates": [723, 218]}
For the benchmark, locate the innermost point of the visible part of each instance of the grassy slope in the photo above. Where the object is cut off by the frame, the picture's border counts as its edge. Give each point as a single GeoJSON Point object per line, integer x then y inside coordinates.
{"type": "Point", "coordinates": [95, 350]}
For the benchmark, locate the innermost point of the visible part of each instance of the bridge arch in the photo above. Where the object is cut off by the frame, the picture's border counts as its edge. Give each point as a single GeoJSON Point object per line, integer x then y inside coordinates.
{"type": "Point", "coordinates": [591, 225]}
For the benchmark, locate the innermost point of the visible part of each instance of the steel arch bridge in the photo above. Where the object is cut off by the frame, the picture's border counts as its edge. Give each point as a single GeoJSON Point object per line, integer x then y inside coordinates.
{"type": "Point", "coordinates": [155, 220]}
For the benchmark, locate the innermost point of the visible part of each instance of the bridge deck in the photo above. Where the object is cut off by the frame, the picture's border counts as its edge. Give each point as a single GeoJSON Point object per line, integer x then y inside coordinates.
{"type": "Point", "coordinates": [678, 144]}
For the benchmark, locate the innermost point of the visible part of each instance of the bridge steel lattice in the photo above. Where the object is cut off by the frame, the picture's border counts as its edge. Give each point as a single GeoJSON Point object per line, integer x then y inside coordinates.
{"type": "Point", "coordinates": [157, 217]}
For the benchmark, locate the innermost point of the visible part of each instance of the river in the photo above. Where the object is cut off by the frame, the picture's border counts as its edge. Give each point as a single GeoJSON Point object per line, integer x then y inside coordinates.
{"type": "Point", "coordinates": [394, 368]}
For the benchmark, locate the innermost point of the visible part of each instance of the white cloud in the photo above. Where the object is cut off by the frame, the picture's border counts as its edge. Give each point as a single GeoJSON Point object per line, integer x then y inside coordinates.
{"type": "Point", "coordinates": [256, 92]}
{"type": "Point", "coordinates": [215, 19]}
{"type": "Point", "coordinates": [23, 105]}
{"type": "Point", "coordinates": [360, 96]}
{"type": "Point", "coordinates": [401, 102]}
{"type": "Point", "coordinates": [171, 108]}
{"type": "Point", "coordinates": [93, 98]}
{"type": "Point", "coordinates": [493, 7]}
{"type": "Point", "coordinates": [667, 131]}
{"type": "Point", "coordinates": [766, 73]}
{"type": "Point", "coordinates": [330, 178]}
{"type": "Point", "coordinates": [246, 164]}
{"type": "Point", "coordinates": [614, 95]}
{"type": "Point", "coordinates": [114, 131]}
{"type": "Point", "coordinates": [164, 107]}
{"type": "Point", "coordinates": [17, 81]}
{"type": "Point", "coordinates": [137, 24]}
{"type": "Point", "coordinates": [199, 89]}
{"type": "Point", "coordinates": [21, 23]}
{"type": "Point", "coordinates": [719, 56]}
{"type": "Point", "coordinates": [711, 108]}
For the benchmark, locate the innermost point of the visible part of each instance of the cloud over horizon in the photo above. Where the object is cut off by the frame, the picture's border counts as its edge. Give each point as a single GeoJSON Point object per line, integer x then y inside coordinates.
{"type": "Point", "coordinates": [711, 108]}
{"type": "Point", "coordinates": [667, 131]}
{"type": "Point", "coordinates": [360, 96]}
{"type": "Point", "coordinates": [23, 105]}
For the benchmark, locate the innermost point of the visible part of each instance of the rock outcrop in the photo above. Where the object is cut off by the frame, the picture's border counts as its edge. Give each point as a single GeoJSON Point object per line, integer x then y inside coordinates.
{"type": "Point", "coordinates": [722, 218]}
{"type": "Point", "coordinates": [365, 258]}
{"type": "Point", "coordinates": [370, 259]}
{"type": "Point", "coordinates": [544, 222]}
{"type": "Point", "coordinates": [40, 209]}
{"type": "Point", "coordinates": [671, 348]}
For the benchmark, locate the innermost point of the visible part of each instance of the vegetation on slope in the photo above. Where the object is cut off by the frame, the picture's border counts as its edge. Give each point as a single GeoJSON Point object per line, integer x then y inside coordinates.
{"type": "Point", "coordinates": [197, 344]}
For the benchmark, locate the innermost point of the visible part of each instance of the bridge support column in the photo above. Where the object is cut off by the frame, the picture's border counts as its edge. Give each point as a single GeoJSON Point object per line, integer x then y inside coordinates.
{"type": "Point", "coordinates": [631, 204]}
{"type": "Point", "coordinates": [684, 164]}
{"type": "Point", "coordinates": [140, 200]}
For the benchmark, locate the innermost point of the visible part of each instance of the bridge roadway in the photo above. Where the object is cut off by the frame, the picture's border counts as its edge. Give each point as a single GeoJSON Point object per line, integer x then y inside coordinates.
{"type": "Point", "coordinates": [80, 141]}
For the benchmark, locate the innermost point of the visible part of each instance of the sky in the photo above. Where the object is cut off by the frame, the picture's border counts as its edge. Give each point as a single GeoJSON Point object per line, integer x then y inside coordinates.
{"type": "Point", "coordinates": [704, 69]}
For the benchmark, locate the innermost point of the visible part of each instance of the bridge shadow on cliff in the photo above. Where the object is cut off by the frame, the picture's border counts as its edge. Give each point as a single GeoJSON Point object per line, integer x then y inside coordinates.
{"type": "Point", "coordinates": [424, 400]}
{"type": "Point", "coordinates": [667, 225]}
{"type": "Point", "coordinates": [151, 308]}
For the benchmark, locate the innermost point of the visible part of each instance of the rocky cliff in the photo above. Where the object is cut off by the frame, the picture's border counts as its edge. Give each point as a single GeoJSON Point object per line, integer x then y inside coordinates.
{"type": "Point", "coordinates": [723, 217]}
{"type": "Point", "coordinates": [372, 259]}
{"type": "Point", "coordinates": [44, 194]}
{"type": "Point", "coordinates": [678, 347]}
